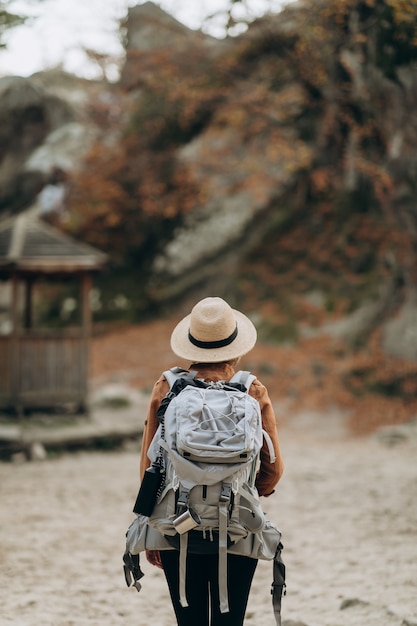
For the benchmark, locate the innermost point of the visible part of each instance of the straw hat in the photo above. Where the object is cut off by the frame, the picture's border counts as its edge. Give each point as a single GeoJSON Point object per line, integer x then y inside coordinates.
{"type": "Point", "coordinates": [213, 332]}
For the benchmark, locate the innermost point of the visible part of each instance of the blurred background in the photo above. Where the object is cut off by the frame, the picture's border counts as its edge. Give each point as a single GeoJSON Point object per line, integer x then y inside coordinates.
{"type": "Point", "coordinates": [262, 151]}
{"type": "Point", "coordinates": [154, 153]}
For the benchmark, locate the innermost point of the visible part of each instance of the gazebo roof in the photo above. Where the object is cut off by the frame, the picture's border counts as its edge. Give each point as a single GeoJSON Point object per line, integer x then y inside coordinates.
{"type": "Point", "coordinates": [28, 244]}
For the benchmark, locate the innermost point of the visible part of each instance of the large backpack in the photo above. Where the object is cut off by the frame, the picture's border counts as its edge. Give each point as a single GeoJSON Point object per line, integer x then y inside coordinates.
{"type": "Point", "coordinates": [208, 442]}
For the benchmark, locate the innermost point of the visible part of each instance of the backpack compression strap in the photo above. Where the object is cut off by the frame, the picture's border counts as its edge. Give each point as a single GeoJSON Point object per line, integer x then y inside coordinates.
{"type": "Point", "coordinates": [222, 566]}
{"type": "Point", "coordinates": [183, 569]}
{"type": "Point", "coordinates": [224, 505]}
{"type": "Point", "coordinates": [175, 373]}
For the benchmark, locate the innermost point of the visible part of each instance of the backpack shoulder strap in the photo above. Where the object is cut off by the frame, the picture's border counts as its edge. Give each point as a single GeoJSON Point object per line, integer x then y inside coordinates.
{"type": "Point", "coordinates": [244, 378]}
{"type": "Point", "coordinates": [172, 375]}
{"type": "Point", "coordinates": [175, 373]}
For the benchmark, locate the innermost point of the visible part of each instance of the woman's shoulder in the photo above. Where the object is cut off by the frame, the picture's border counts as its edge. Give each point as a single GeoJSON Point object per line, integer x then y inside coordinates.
{"type": "Point", "coordinates": [258, 390]}
{"type": "Point", "coordinates": [160, 387]}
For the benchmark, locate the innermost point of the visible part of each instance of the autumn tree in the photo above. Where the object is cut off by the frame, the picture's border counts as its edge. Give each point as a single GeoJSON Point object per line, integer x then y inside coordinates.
{"type": "Point", "coordinates": [347, 224]}
{"type": "Point", "coordinates": [321, 81]}
{"type": "Point", "coordinates": [133, 190]}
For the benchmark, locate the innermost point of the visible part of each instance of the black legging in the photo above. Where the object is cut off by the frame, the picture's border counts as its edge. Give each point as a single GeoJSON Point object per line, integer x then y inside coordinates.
{"type": "Point", "coordinates": [202, 588]}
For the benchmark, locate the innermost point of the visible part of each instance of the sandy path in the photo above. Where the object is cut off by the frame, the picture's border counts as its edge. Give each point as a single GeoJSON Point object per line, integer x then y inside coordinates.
{"type": "Point", "coordinates": [347, 508]}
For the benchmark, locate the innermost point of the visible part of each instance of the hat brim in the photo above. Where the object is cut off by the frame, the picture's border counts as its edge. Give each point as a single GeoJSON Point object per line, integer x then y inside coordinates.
{"type": "Point", "coordinates": [242, 344]}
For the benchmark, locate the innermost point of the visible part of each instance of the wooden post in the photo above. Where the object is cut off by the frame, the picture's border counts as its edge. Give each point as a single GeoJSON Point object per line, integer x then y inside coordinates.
{"type": "Point", "coordinates": [86, 309]}
{"type": "Point", "coordinates": [28, 316]}
{"type": "Point", "coordinates": [86, 285]}
{"type": "Point", "coordinates": [15, 352]}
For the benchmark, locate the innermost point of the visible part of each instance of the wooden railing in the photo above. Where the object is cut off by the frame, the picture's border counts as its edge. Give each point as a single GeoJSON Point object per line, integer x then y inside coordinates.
{"type": "Point", "coordinates": [43, 368]}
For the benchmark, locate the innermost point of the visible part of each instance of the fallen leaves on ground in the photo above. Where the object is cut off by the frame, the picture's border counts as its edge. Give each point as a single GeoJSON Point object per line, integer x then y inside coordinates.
{"type": "Point", "coordinates": [315, 374]}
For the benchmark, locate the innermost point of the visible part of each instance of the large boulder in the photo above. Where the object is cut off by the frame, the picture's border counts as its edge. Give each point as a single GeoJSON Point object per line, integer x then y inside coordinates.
{"type": "Point", "coordinates": [42, 128]}
{"type": "Point", "coordinates": [23, 126]}
{"type": "Point", "coordinates": [240, 177]}
{"type": "Point", "coordinates": [62, 149]}
{"type": "Point", "coordinates": [400, 332]}
{"type": "Point", "coordinates": [153, 36]}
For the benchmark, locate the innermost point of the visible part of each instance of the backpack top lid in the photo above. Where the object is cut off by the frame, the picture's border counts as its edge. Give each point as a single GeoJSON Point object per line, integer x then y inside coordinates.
{"type": "Point", "coordinates": [211, 430]}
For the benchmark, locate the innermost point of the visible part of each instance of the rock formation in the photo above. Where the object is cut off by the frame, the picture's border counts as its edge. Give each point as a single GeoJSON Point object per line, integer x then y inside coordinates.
{"type": "Point", "coordinates": [279, 162]}
{"type": "Point", "coordinates": [43, 129]}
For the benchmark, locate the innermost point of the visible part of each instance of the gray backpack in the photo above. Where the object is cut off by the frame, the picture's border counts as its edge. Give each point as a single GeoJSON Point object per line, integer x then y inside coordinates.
{"type": "Point", "coordinates": [208, 442]}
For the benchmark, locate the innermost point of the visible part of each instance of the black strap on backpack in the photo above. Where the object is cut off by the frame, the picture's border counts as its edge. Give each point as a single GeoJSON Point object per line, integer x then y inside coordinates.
{"type": "Point", "coordinates": [187, 379]}
{"type": "Point", "coordinates": [278, 588]}
{"type": "Point", "coordinates": [132, 570]}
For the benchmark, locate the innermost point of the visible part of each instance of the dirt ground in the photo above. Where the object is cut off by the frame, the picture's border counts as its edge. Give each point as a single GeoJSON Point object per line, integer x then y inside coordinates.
{"type": "Point", "coordinates": [347, 507]}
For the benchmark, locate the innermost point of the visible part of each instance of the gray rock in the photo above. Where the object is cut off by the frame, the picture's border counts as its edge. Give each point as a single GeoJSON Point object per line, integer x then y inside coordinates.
{"type": "Point", "coordinates": [39, 132]}
{"type": "Point", "coordinates": [23, 126]}
{"type": "Point", "coordinates": [37, 452]}
{"type": "Point", "coordinates": [232, 208]}
{"type": "Point", "coordinates": [398, 434]}
{"type": "Point", "coordinates": [63, 148]}
{"type": "Point", "coordinates": [150, 29]}
{"type": "Point", "coordinates": [348, 603]}
{"type": "Point", "coordinates": [400, 333]}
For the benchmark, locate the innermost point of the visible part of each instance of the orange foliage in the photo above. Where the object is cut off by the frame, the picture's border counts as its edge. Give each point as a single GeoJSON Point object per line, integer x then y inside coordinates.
{"type": "Point", "coordinates": [315, 374]}
{"type": "Point", "coordinates": [298, 104]}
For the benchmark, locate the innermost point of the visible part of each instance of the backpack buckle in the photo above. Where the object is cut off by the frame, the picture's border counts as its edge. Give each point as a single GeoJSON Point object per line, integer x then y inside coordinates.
{"type": "Point", "coordinates": [182, 502]}
{"type": "Point", "coordinates": [186, 518]}
{"type": "Point", "coordinates": [226, 492]}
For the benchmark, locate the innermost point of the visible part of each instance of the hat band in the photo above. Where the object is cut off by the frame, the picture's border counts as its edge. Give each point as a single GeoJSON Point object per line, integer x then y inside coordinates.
{"type": "Point", "coordinates": [213, 344]}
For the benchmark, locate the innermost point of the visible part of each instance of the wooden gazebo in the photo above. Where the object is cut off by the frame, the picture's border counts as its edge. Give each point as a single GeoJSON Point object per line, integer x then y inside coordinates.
{"type": "Point", "coordinates": [42, 367]}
